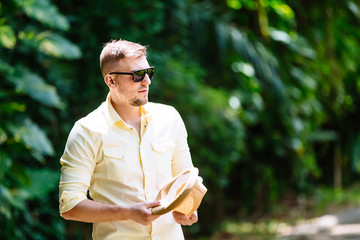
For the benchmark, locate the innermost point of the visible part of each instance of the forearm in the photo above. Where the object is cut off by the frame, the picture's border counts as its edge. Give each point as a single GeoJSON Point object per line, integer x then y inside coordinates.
{"type": "Point", "coordinates": [92, 212]}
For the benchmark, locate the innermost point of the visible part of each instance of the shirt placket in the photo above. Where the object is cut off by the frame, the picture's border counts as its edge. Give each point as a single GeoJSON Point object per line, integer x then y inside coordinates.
{"type": "Point", "coordinates": [148, 165]}
{"type": "Point", "coordinates": [147, 160]}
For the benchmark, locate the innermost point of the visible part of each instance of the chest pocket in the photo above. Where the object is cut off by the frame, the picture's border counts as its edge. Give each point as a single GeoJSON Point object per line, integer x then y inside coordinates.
{"type": "Point", "coordinates": [115, 161]}
{"type": "Point", "coordinates": [164, 151]}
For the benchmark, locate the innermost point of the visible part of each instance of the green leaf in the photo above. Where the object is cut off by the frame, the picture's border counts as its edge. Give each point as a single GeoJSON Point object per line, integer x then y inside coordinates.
{"type": "Point", "coordinates": [354, 8]}
{"type": "Point", "coordinates": [304, 79]}
{"type": "Point", "coordinates": [263, 62]}
{"type": "Point", "coordinates": [42, 182]}
{"type": "Point", "coordinates": [45, 12]}
{"type": "Point", "coordinates": [4, 206]}
{"type": "Point", "coordinates": [33, 85]}
{"type": "Point", "coordinates": [3, 138]}
{"type": "Point", "coordinates": [11, 107]}
{"type": "Point", "coordinates": [5, 68]}
{"type": "Point", "coordinates": [323, 135]}
{"type": "Point", "coordinates": [280, 36]}
{"type": "Point", "coordinates": [302, 47]}
{"type": "Point", "coordinates": [235, 4]}
{"type": "Point", "coordinates": [5, 161]}
{"type": "Point", "coordinates": [7, 198]}
{"type": "Point", "coordinates": [14, 197]}
{"type": "Point", "coordinates": [33, 138]}
{"type": "Point", "coordinates": [7, 37]}
{"type": "Point", "coordinates": [58, 46]}
{"type": "Point", "coordinates": [51, 44]}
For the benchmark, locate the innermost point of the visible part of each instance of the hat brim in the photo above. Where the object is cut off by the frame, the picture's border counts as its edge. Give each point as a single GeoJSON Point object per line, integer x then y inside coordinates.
{"type": "Point", "coordinates": [179, 188]}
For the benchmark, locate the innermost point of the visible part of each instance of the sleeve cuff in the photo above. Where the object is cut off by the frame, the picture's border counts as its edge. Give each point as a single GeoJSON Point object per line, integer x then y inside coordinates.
{"type": "Point", "coordinates": [69, 200]}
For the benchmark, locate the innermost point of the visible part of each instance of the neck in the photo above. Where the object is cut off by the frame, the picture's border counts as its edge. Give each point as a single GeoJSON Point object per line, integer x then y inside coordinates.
{"type": "Point", "coordinates": [128, 113]}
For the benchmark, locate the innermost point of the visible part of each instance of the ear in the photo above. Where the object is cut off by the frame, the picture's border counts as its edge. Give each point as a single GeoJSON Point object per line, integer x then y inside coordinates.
{"type": "Point", "coordinates": [109, 80]}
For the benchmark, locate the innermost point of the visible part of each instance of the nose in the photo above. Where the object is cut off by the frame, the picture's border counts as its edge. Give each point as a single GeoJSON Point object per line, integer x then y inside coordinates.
{"type": "Point", "coordinates": [146, 81]}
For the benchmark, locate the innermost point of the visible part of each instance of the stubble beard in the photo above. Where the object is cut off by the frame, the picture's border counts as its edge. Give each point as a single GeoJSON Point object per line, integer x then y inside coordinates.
{"type": "Point", "coordinates": [139, 102]}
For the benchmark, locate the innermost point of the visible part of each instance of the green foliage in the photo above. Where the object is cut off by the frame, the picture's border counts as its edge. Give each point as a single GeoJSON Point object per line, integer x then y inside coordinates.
{"type": "Point", "coordinates": [50, 43]}
{"type": "Point", "coordinates": [187, 85]}
{"type": "Point", "coordinates": [7, 36]}
{"type": "Point", "coordinates": [33, 138]}
{"type": "Point", "coordinates": [45, 12]}
{"type": "Point", "coordinates": [28, 183]}
{"type": "Point", "coordinates": [268, 91]}
{"type": "Point", "coordinates": [31, 84]}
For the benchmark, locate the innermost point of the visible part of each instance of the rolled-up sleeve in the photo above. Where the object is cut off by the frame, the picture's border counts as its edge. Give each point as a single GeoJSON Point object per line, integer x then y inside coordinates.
{"type": "Point", "coordinates": [77, 166]}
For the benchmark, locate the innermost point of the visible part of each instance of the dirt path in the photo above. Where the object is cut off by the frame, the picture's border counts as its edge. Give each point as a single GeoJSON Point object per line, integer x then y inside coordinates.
{"type": "Point", "coordinates": [343, 226]}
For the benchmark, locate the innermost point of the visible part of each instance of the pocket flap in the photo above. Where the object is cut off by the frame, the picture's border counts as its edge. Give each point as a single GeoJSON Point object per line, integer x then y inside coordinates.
{"type": "Point", "coordinates": [161, 147]}
{"type": "Point", "coordinates": [117, 153]}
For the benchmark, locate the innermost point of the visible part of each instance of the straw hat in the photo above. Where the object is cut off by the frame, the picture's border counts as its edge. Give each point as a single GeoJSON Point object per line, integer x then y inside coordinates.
{"type": "Point", "coordinates": [182, 193]}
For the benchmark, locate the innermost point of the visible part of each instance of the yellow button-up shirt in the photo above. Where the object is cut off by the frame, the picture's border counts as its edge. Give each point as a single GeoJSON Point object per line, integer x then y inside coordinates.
{"type": "Point", "coordinates": [106, 156]}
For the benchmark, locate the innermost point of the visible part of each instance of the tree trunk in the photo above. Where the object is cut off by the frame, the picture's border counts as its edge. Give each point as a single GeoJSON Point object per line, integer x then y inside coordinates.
{"type": "Point", "coordinates": [337, 168]}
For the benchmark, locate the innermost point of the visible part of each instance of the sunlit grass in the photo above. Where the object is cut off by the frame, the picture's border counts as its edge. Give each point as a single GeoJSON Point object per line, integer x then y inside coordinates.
{"type": "Point", "coordinates": [327, 199]}
{"type": "Point", "coordinates": [266, 229]}
{"type": "Point", "coordinates": [280, 219]}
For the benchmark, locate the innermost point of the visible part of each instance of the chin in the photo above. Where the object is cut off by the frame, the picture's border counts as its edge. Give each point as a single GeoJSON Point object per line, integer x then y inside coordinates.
{"type": "Point", "coordinates": [139, 102]}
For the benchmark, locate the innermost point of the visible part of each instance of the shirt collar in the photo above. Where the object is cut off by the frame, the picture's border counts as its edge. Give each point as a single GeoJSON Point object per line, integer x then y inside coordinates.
{"type": "Point", "coordinates": [145, 111]}
{"type": "Point", "coordinates": [111, 115]}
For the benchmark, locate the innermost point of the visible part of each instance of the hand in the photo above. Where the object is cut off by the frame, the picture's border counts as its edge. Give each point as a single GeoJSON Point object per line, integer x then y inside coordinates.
{"type": "Point", "coordinates": [141, 212]}
{"type": "Point", "coordinates": [183, 219]}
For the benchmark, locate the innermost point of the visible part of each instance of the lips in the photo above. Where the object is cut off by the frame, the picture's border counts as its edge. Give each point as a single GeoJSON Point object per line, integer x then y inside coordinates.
{"type": "Point", "coordinates": [143, 90]}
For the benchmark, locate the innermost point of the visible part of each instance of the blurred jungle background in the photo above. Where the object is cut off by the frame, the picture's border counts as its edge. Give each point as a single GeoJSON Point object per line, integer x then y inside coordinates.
{"type": "Point", "coordinates": [269, 91]}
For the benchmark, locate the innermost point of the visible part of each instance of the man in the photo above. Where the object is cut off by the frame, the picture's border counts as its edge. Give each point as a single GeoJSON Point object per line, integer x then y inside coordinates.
{"type": "Point", "coordinates": [123, 152]}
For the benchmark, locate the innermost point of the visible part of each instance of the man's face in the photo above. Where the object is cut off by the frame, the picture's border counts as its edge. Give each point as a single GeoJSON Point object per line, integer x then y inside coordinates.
{"type": "Point", "coordinates": [126, 91]}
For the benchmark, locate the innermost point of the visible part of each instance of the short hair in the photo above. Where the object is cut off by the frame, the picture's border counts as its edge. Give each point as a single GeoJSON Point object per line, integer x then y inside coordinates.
{"type": "Point", "coordinates": [115, 50]}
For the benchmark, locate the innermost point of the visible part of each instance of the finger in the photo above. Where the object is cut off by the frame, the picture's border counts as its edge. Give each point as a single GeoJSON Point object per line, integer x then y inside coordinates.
{"type": "Point", "coordinates": [176, 217]}
{"type": "Point", "coordinates": [152, 204]}
{"type": "Point", "coordinates": [193, 218]}
{"type": "Point", "coordinates": [182, 215]}
{"type": "Point", "coordinates": [181, 218]}
{"type": "Point", "coordinates": [178, 214]}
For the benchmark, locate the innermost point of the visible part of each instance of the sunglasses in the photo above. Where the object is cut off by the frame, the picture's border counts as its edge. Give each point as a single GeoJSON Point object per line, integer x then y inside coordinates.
{"type": "Point", "coordinates": [139, 75]}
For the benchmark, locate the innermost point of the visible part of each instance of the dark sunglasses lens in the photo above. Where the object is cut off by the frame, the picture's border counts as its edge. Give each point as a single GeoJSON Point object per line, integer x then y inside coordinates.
{"type": "Point", "coordinates": [140, 74]}
{"type": "Point", "coordinates": [151, 72]}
